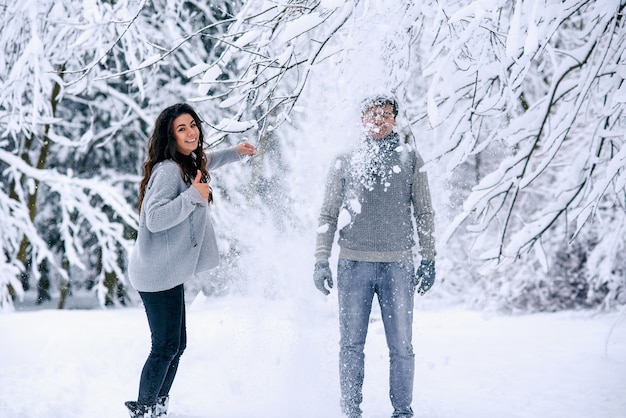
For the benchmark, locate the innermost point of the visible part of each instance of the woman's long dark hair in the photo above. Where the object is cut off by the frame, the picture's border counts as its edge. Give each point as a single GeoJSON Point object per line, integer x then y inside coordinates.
{"type": "Point", "coordinates": [162, 146]}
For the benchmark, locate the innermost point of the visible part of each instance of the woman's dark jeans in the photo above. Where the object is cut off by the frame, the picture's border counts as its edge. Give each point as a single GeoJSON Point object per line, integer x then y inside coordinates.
{"type": "Point", "coordinates": [166, 317]}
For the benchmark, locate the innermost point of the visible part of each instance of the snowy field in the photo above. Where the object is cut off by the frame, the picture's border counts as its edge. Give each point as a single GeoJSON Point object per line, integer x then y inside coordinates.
{"type": "Point", "coordinates": [256, 358]}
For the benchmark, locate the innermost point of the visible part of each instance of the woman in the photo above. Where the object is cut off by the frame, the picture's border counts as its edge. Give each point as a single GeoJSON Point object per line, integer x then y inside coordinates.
{"type": "Point", "coordinates": [174, 242]}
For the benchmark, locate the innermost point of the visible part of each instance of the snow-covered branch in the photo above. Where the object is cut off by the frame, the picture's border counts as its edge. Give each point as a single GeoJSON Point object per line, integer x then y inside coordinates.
{"type": "Point", "coordinates": [557, 76]}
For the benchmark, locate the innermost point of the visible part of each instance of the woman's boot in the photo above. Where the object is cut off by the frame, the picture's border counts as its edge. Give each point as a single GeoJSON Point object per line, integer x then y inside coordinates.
{"type": "Point", "coordinates": [161, 406]}
{"type": "Point", "coordinates": [140, 411]}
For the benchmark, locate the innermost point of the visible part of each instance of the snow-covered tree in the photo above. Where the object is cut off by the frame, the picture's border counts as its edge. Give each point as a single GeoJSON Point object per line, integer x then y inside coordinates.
{"type": "Point", "coordinates": [81, 84]}
{"type": "Point", "coordinates": [545, 82]}
{"type": "Point", "coordinates": [526, 97]}
{"type": "Point", "coordinates": [518, 107]}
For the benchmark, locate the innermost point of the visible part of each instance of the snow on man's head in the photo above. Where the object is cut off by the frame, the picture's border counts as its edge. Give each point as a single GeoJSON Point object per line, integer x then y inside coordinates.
{"type": "Point", "coordinates": [379, 100]}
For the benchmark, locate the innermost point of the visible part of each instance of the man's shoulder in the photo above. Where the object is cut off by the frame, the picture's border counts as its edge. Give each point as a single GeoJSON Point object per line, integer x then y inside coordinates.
{"type": "Point", "coordinates": [406, 147]}
{"type": "Point", "coordinates": [410, 149]}
{"type": "Point", "coordinates": [340, 159]}
{"type": "Point", "coordinates": [344, 155]}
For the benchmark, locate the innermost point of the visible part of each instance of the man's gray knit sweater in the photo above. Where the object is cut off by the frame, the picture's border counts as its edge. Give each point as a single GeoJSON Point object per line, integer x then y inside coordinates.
{"type": "Point", "coordinates": [372, 196]}
{"type": "Point", "coordinates": [176, 239]}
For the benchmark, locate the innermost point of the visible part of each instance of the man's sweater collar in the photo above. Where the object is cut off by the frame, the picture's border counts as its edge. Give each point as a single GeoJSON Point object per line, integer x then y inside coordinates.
{"type": "Point", "coordinates": [388, 143]}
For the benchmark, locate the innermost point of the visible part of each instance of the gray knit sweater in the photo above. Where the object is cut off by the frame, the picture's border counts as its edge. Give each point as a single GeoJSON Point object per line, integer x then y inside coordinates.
{"type": "Point", "coordinates": [176, 239]}
{"type": "Point", "coordinates": [374, 195]}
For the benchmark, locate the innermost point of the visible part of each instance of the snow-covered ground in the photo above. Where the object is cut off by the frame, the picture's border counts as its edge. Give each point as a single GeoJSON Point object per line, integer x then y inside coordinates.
{"type": "Point", "coordinates": [250, 357]}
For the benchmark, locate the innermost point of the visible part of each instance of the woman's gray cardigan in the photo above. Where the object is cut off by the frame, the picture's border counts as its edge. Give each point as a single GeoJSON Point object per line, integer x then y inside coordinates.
{"type": "Point", "coordinates": [175, 239]}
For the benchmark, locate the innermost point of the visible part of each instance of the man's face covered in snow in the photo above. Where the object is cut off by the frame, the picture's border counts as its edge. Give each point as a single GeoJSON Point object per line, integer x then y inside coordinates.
{"type": "Point", "coordinates": [378, 121]}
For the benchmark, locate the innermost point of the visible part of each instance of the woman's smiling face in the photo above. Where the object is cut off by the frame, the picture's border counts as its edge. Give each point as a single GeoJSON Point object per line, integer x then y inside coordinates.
{"type": "Point", "coordinates": [186, 133]}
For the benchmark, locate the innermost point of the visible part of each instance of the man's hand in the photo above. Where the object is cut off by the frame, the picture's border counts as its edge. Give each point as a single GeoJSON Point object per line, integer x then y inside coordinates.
{"type": "Point", "coordinates": [321, 276]}
{"type": "Point", "coordinates": [425, 276]}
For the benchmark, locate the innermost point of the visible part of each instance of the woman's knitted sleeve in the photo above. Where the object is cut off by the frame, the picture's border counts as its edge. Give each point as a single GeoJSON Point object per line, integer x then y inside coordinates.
{"type": "Point", "coordinates": [164, 205]}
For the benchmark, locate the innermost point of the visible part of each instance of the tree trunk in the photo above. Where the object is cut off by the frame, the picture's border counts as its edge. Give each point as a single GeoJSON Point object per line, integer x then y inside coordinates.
{"type": "Point", "coordinates": [110, 282]}
{"type": "Point", "coordinates": [65, 284]}
{"type": "Point", "coordinates": [32, 197]}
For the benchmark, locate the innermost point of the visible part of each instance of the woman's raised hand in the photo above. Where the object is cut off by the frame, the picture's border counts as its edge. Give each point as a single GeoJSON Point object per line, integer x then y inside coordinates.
{"type": "Point", "coordinates": [247, 149]}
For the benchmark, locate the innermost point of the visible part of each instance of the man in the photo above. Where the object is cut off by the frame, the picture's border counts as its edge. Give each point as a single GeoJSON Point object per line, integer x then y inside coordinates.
{"type": "Point", "coordinates": [376, 193]}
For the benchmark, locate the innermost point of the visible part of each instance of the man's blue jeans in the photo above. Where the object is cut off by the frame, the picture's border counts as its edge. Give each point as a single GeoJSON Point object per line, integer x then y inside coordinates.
{"type": "Point", "coordinates": [166, 317]}
{"type": "Point", "coordinates": [357, 283]}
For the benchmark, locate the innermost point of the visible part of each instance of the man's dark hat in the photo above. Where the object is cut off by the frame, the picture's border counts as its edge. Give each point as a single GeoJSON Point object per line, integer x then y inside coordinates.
{"type": "Point", "coordinates": [379, 100]}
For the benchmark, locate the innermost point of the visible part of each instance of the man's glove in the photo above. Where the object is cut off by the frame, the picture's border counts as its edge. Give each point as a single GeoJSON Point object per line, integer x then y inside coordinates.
{"type": "Point", "coordinates": [425, 276]}
{"type": "Point", "coordinates": [322, 275]}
